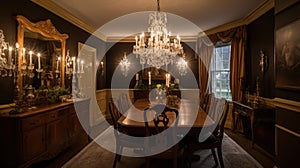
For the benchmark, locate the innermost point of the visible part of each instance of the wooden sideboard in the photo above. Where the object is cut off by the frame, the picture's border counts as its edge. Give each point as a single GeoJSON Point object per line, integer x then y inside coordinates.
{"type": "Point", "coordinates": [262, 123]}
{"type": "Point", "coordinates": [42, 133]}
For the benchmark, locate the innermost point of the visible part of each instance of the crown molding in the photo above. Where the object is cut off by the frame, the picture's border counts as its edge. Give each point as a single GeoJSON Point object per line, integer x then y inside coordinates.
{"type": "Point", "coordinates": [265, 7]}
{"type": "Point", "coordinates": [262, 9]}
{"type": "Point", "coordinates": [58, 10]}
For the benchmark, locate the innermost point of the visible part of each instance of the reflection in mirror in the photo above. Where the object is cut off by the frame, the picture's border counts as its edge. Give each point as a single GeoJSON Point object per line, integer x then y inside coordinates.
{"type": "Point", "coordinates": [41, 54]}
{"type": "Point", "coordinates": [50, 56]}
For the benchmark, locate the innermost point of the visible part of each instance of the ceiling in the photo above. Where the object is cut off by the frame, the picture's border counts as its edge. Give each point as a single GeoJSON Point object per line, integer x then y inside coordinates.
{"type": "Point", "coordinates": [116, 18]}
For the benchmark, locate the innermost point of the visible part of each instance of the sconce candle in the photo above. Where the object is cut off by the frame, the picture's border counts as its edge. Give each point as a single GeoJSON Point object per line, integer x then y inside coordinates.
{"type": "Point", "coordinates": [57, 63]}
{"type": "Point", "coordinates": [82, 66]}
{"type": "Point", "coordinates": [78, 65]}
{"type": "Point", "coordinates": [30, 57]}
{"type": "Point", "coordinates": [9, 55]}
{"type": "Point", "coordinates": [137, 76]}
{"type": "Point", "coordinates": [39, 60]}
{"type": "Point", "coordinates": [74, 63]}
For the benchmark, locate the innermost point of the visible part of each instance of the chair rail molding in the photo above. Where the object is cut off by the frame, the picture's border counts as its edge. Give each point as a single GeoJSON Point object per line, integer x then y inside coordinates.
{"type": "Point", "coordinates": [287, 104]}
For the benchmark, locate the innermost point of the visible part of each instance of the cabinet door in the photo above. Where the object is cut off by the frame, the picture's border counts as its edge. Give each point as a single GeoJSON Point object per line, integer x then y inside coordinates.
{"type": "Point", "coordinates": [33, 143]}
{"type": "Point", "coordinates": [57, 136]}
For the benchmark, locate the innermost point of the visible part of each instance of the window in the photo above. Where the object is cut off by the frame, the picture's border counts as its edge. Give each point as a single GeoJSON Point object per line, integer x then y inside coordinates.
{"type": "Point", "coordinates": [220, 71]}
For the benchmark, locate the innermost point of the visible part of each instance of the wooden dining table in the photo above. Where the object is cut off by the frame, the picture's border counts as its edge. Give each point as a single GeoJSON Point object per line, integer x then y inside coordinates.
{"type": "Point", "coordinates": [192, 117]}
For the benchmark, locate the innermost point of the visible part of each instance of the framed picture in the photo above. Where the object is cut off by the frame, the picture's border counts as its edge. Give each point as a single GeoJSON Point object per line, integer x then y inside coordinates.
{"type": "Point", "coordinates": [287, 60]}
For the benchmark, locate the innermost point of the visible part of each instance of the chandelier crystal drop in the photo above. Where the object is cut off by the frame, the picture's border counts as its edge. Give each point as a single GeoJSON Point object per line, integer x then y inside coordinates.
{"type": "Point", "coordinates": [157, 49]}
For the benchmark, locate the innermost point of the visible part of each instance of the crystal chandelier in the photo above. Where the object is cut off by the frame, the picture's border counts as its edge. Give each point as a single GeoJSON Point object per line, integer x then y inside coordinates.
{"type": "Point", "coordinates": [157, 49]}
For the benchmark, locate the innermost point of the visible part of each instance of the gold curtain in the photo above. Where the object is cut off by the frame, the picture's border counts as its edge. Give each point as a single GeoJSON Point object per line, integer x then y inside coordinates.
{"type": "Point", "coordinates": [206, 49]}
{"type": "Point", "coordinates": [237, 37]}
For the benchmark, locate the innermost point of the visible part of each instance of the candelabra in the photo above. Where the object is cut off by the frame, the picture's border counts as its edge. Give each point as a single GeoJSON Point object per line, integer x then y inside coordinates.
{"type": "Point", "coordinates": [70, 65]}
{"type": "Point", "coordinates": [7, 65]}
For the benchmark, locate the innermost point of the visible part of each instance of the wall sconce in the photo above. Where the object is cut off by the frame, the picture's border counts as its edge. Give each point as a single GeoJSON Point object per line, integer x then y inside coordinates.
{"type": "Point", "coordinates": [182, 66]}
{"type": "Point", "coordinates": [125, 65]}
{"type": "Point", "coordinates": [263, 61]}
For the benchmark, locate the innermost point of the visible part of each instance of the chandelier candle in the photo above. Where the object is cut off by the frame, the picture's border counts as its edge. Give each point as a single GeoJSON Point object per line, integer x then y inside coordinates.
{"type": "Point", "coordinates": [149, 73]}
{"type": "Point", "coordinates": [39, 60]}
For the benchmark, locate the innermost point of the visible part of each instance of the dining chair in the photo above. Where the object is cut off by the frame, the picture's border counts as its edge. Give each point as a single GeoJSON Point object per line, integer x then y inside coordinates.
{"type": "Point", "coordinates": [123, 103]}
{"type": "Point", "coordinates": [122, 140]}
{"type": "Point", "coordinates": [218, 112]}
{"type": "Point", "coordinates": [208, 99]}
{"type": "Point", "coordinates": [162, 133]}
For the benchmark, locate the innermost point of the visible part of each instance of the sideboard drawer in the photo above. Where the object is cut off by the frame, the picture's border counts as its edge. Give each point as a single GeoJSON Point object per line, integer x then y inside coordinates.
{"type": "Point", "coordinates": [32, 122]}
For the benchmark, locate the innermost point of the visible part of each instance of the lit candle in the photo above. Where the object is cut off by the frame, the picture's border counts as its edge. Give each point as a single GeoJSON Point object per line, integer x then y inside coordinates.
{"type": "Point", "coordinates": [149, 73]}
{"type": "Point", "coordinates": [137, 76]}
{"type": "Point", "coordinates": [74, 63]}
{"type": "Point", "coordinates": [16, 52]}
{"type": "Point", "coordinates": [39, 60]}
{"type": "Point", "coordinates": [101, 64]}
{"type": "Point", "coordinates": [78, 65]}
{"type": "Point", "coordinates": [30, 57]}
{"type": "Point", "coordinates": [24, 59]}
{"type": "Point", "coordinates": [57, 63]}
{"type": "Point", "coordinates": [82, 66]}
{"type": "Point", "coordinates": [167, 80]}
{"type": "Point", "coordinates": [136, 38]}
{"type": "Point", "coordinates": [9, 55]}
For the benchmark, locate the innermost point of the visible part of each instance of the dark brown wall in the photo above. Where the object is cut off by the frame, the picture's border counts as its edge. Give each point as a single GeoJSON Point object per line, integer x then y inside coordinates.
{"type": "Point", "coordinates": [116, 52]}
{"type": "Point", "coordinates": [260, 36]}
{"type": "Point", "coordinates": [34, 13]}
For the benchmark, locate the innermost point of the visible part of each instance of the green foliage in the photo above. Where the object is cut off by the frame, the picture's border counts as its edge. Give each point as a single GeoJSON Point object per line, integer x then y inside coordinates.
{"type": "Point", "coordinates": [55, 92]}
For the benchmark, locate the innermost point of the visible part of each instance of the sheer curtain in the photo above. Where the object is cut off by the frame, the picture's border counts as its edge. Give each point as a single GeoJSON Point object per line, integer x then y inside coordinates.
{"type": "Point", "coordinates": [237, 37]}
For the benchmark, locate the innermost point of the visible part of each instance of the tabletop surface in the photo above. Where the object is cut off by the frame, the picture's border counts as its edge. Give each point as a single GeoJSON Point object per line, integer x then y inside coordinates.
{"type": "Point", "coordinates": [190, 115]}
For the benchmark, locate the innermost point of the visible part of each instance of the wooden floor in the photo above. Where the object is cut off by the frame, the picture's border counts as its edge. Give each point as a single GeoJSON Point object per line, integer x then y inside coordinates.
{"type": "Point", "coordinates": [265, 159]}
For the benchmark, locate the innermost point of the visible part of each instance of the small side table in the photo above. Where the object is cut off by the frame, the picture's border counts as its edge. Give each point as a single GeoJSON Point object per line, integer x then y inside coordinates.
{"type": "Point", "coordinates": [257, 112]}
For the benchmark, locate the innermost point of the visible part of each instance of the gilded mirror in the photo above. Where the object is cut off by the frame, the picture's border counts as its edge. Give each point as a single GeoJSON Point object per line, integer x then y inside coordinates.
{"type": "Point", "coordinates": [48, 56]}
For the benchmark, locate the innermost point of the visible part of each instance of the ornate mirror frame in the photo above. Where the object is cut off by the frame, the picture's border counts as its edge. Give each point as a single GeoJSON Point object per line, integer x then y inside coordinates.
{"type": "Point", "coordinates": [46, 29]}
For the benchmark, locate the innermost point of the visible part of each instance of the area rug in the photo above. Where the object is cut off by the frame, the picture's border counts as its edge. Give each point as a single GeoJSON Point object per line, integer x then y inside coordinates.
{"type": "Point", "coordinates": [94, 156]}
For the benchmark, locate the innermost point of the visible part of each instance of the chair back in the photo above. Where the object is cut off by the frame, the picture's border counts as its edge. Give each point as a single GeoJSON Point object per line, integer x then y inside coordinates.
{"type": "Point", "coordinates": [161, 126]}
{"type": "Point", "coordinates": [114, 113]}
{"type": "Point", "coordinates": [157, 120]}
{"type": "Point", "coordinates": [123, 103]}
{"type": "Point", "coordinates": [218, 112]}
{"type": "Point", "coordinates": [208, 101]}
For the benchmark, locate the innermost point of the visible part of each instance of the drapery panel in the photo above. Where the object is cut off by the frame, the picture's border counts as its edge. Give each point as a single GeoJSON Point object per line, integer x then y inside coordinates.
{"type": "Point", "coordinates": [237, 37]}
